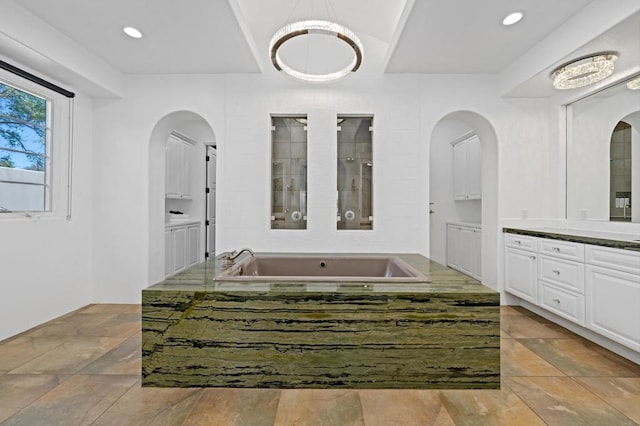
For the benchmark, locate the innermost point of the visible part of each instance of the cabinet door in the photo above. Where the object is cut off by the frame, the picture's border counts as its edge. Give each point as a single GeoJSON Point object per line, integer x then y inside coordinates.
{"type": "Point", "coordinates": [521, 274]}
{"type": "Point", "coordinates": [453, 257]}
{"type": "Point", "coordinates": [466, 246]}
{"type": "Point", "coordinates": [193, 244]}
{"type": "Point", "coordinates": [474, 168]}
{"type": "Point", "coordinates": [460, 172]}
{"type": "Point", "coordinates": [168, 253]}
{"type": "Point", "coordinates": [613, 305]}
{"type": "Point", "coordinates": [476, 270]}
{"type": "Point", "coordinates": [173, 171]}
{"type": "Point", "coordinates": [186, 170]}
{"type": "Point", "coordinates": [179, 244]}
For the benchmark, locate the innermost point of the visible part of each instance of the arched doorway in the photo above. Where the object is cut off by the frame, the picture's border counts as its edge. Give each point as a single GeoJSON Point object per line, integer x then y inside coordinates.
{"type": "Point", "coordinates": [443, 205]}
{"type": "Point", "coordinates": [201, 135]}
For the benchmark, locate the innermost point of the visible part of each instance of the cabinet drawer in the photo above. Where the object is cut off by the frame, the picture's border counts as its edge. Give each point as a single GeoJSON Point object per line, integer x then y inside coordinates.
{"type": "Point", "coordinates": [521, 242]}
{"type": "Point", "coordinates": [616, 259]}
{"type": "Point", "coordinates": [564, 303]}
{"type": "Point", "coordinates": [563, 249]}
{"type": "Point", "coordinates": [563, 273]}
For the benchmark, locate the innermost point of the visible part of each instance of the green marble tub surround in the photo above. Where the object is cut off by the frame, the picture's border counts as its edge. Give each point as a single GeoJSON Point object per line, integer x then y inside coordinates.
{"type": "Point", "coordinates": [206, 333]}
{"type": "Point", "coordinates": [619, 241]}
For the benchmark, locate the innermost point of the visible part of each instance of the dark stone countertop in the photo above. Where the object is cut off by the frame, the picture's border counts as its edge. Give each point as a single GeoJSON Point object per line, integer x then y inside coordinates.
{"type": "Point", "coordinates": [619, 241]}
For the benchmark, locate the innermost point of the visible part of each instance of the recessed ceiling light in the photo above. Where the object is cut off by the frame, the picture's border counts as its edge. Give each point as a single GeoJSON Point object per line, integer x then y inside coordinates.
{"type": "Point", "coordinates": [132, 32]}
{"type": "Point", "coordinates": [512, 18]}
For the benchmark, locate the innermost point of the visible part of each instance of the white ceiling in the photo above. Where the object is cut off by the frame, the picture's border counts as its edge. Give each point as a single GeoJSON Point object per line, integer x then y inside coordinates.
{"type": "Point", "coordinates": [232, 36]}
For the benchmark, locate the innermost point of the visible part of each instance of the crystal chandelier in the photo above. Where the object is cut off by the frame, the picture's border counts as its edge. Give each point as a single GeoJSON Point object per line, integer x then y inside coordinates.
{"type": "Point", "coordinates": [634, 84]}
{"type": "Point", "coordinates": [583, 71]}
{"type": "Point", "coordinates": [296, 29]}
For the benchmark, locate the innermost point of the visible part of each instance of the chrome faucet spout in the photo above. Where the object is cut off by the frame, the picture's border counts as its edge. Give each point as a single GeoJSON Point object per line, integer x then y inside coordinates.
{"type": "Point", "coordinates": [235, 256]}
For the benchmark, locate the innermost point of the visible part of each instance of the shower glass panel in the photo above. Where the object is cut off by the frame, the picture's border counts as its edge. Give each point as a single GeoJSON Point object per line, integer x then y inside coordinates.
{"type": "Point", "coordinates": [289, 172]}
{"type": "Point", "coordinates": [355, 173]}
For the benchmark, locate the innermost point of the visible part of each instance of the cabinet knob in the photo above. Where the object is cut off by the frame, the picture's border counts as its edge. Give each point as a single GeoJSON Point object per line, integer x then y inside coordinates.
{"type": "Point", "coordinates": [556, 301]}
{"type": "Point", "coordinates": [555, 271]}
{"type": "Point", "coordinates": [518, 242]}
{"type": "Point", "coordinates": [533, 258]}
{"type": "Point", "coordinates": [556, 249]}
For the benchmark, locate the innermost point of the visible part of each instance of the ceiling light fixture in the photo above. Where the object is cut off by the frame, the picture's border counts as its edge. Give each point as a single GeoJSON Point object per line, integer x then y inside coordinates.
{"type": "Point", "coordinates": [634, 84]}
{"type": "Point", "coordinates": [132, 32]}
{"type": "Point", "coordinates": [296, 29]}
{"type": "Point", "coordinates": [584, 71]}
{"type": "Point", "coordinates": [512, 18]}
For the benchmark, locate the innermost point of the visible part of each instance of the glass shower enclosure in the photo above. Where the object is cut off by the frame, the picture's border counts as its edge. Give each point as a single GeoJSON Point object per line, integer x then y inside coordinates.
{"type": "Point", "coordinates": [289, 172]}
{"type": "Point", "coordinates": [355, 173]}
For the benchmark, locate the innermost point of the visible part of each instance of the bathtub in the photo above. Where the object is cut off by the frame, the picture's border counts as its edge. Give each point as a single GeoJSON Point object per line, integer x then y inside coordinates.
{"type": "Point", "coordinates": [334, 268]}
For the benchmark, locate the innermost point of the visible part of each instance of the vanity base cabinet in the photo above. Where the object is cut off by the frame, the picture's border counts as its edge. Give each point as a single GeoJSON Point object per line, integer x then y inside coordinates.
{"type": "Point", "coordinates": [595, 288]}
{"type": "Point", "coordinates": [464, 243]}
{"type": "Point", "coordinates": [521, 274]}
{"type": "Point", "coordinates": [182, 247]}
{"type": "Point", "coordinates": [613, 305]}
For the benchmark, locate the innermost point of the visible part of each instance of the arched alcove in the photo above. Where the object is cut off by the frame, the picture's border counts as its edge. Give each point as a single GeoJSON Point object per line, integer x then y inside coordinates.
{"type": "Point", "coordinates": [200, 131]}
{"type": "Point", "coordinates": [447, 129]}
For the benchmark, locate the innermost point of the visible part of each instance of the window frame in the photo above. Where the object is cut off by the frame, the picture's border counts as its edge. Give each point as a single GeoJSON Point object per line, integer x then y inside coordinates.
{"type": "Point", "coordinates": [58, 130]}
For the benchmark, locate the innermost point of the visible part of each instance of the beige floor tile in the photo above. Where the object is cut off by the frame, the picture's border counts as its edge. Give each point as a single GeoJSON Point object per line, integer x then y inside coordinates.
{"type": "Point", "coordinates": [18, 391]}
{"type": "Point", "coordinates": [621, 392]}
{"type": "Point", "coordinates": [79, 400]}
{"type": "Point", "coordinates": [488, 407]}
{"type": "Point", "coordinates": [70, 357]}
{"type": "Point", "coordinates": [151, 406]}
{"type": "Point", "coordinates": [15, 352]}
{"type": "Point", "coordinates": [235, 407]}
{"type": "Point", "coordinates": [525, 327]}
{"type": "Point", "coordinates": [562, 401]}
{"type": "Point", "coordinates": [96, 325]}
{"type": "Point", "coordinates": [515, 310]}
{"type": "Point", "coordinates": [517, 360]}
{"type": "Point", "coordinates": [112, 309]}
{"type": "Point", "coordinates": [312, 407]}
{"type": "Point", "coordinates": [123, 359]}
{"type": "Point", "coordinates": [579, 357]}
{"type": "Point", "coordinates": [402, 408]}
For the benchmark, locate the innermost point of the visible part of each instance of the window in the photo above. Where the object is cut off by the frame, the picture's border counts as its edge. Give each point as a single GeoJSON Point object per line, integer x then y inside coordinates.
{"type": "Point", "coordinates": [355, 173]}
{"type": "Point", "coordinates": [24, 150]}
{"type": "Point", "coordinates": [35, 144]}
{"type": "Point", "coordinates": [289, 172]}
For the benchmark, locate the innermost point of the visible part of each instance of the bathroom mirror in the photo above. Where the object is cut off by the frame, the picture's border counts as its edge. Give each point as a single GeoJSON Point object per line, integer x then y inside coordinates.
{"type": "Point", "coordinates": [603, 155]}
{"type": "Point", "coordinates": [355, 173]}
{"type": "Point", "coordinates": [289, 172]}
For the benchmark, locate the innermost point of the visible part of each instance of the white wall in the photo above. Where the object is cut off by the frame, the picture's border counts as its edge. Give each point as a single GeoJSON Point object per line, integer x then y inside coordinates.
{"type": "Point", "coordinates": [238, 109]}
{"type": "Point", "coordinates": [46, 259]}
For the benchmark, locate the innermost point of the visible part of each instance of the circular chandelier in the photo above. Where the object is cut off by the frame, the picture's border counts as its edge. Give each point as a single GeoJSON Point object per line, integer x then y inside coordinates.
{"type": "Point", "coordinates": [584, 71]}
{"type": "Point", "coordinates": [296, 29]}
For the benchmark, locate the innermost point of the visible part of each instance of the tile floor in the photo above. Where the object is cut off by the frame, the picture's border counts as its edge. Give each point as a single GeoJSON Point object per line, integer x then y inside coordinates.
{"type": "Point", "coordinates": [83, 369]}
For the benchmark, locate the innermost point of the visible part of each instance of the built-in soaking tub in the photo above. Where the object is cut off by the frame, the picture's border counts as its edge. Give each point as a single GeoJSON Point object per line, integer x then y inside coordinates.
{"type": "Point", "coordinates": [277, 268]}
{"type": "Point", "coordinates": [212, 326]}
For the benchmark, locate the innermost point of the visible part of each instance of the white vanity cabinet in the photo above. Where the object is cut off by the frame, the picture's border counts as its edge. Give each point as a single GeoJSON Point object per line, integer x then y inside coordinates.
{"type": "Point", "coordinates": [467, 168]}
{"type": "Point", "coordinates": [181, 245]}
{"type": "Point", "coordinates": [594, 287]}
{"type": "Point", "coordinates": [464, 243]}
{"type": "Point", "coordinates": [179, 157]}
{"type": "Point", "coordinates": [612, 279]}
{"type": "Point", "coordinates": [561, 278]}
{"type": "Point", "coordinates": [521, 271]}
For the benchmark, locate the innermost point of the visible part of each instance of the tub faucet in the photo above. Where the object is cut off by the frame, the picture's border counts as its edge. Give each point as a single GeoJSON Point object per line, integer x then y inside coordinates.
{"type": "Point", "coordinates": [229, 258]}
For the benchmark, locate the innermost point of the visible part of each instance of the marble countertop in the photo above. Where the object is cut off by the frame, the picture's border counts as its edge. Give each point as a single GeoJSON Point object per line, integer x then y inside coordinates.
{"type": "Point", "coordinates": [200, 277]}
{"type": "Point", "coordinates": [468, 224]}
{"type": "Point", "coordinates": [597, 238]}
